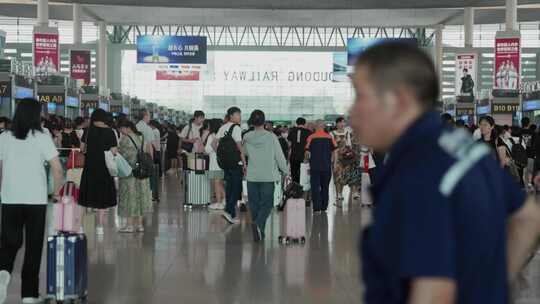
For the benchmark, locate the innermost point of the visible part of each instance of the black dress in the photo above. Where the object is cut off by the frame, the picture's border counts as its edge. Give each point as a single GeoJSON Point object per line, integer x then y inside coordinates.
{"type": "Point", "coordinates": [97, 185]}
{"type": "Point", "coordinates": [173, 141]}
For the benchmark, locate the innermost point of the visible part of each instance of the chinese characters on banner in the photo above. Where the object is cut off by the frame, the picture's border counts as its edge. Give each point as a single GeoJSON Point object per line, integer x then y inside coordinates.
{"type": "Point", "coordinates": [80, 67]}
{"type": "Point", "coordinates": [46, 54]}
{"type": "Point", "coordinates": [466, 67]}
{"type": "Point", "coordinates": [507, 66]}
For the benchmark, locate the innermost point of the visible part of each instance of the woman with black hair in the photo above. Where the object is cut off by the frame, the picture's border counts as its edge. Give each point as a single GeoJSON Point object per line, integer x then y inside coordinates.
{"type": "Point", "coordinates": [97, 185]}
{"type": "Point", "coordinates": [23, 151]}
{"type": "Point", "coordinates": [490, 135]}
{"type": "Point", "coordinates": [135, 197]}
{"type": "Point", "coordinates": [266, 162]}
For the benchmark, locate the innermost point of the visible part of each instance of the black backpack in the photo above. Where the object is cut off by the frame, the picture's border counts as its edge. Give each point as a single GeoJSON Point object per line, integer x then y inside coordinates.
{"type": "Point", "coordinates": [144, 166]}
{"type": "Point", "coordinates": [519, 154]}
{"type": "Point", "coordinates": [227, 152]}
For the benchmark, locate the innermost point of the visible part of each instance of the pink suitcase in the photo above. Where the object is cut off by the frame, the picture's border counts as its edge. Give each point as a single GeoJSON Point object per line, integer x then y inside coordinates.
{"type": "Point", "coordinates": [67, 213]}
{"type": "Point", "coordinates": [293, 228]}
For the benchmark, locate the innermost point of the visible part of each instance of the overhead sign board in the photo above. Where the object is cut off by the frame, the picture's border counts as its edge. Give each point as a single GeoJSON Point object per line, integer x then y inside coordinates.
{"type": "Point", "coordinates": [171, 49]}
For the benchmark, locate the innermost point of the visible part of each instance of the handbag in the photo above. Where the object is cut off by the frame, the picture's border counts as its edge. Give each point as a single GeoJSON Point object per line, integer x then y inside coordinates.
{"type": "Point", "coordinates": [144, 165]}
{"type": "Point", "coordinates": [75, 160]}
{"type": "Point", "coordinates": [111, 163]}
{"type": "Point", "coordinates": [187, 146]}
{"type": "Point", "coordinates": [124, 169]}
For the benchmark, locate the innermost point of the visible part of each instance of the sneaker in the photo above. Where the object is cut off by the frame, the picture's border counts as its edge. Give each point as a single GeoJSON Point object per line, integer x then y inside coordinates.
{"type": "Point", "coordinates": [32, 300]}
{"type": "Point", "coordinates": [5, 277]}
{"type": "Point", "coordinates": [100, 230]}
{"type": "Point", "coordinates": [230, 219]}
{"type": "Point", "coordinates": [243, 207]}
{"type": "Point", "coordinates": [256, 233]}
{"type": "Point", "coordinates": [217, 206]}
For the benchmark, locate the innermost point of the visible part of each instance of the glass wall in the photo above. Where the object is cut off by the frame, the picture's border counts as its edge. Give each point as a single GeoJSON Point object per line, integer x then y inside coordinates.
{"type": "Point", "coordinates": [283, 84]}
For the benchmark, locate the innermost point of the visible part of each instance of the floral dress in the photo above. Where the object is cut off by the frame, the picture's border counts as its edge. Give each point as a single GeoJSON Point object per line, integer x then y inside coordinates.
{"type": "Point", "coordinates": [354, 177]}
{"type": "Point", "coordinates": [135, 198]}
{"type": "Point", "coordinates": [341, 170]}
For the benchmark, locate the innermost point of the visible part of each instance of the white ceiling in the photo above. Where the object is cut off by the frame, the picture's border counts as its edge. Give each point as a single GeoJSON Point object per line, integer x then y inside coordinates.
{"type": "Point", "coordinates": [366, 13]}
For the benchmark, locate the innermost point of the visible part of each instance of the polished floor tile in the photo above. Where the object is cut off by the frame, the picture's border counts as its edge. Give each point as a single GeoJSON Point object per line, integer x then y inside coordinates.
{"type": "Point", "coordinates": [193, 256]}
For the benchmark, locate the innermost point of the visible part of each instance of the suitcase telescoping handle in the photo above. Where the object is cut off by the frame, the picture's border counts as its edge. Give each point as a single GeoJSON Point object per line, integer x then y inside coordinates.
{"type": "Point", "coordinates": [72, 155]}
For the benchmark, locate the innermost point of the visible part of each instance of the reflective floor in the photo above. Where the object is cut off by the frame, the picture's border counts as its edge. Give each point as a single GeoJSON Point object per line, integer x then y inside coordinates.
{"type": "Point", "coordinates": [193, 256]}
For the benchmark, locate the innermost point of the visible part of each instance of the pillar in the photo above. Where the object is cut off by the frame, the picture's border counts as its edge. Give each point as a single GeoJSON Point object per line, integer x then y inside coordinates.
{"type": "Point", "coordinates": [468, 25]}
{"type": "Point", "coordinates": [439, 52]}
{"type": "Point", "coordinates": [77, 24]}
{"type": "Point", "coordinates": [511, 15]}
{"type": "Point", "coordinates": [102, 58]}
{"type": "Point", "coordinates": [43, 13]}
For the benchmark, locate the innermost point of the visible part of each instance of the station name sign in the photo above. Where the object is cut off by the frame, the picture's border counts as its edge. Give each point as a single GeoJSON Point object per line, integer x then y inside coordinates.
{"type": "Point", "coordinates": [277, 76]}
{"type": "Point", "coordinates": [465, 111]}
{"type": "Point", "coordinates": [504, 108]}
{"type": "Point", "coordinates": [58, 99]}
{"type": "Point", "coordinates": [5, 89]}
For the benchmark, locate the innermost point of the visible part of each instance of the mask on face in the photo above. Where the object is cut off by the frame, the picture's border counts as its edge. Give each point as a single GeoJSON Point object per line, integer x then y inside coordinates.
{"type": "Point", "coordinates": [507, 135]}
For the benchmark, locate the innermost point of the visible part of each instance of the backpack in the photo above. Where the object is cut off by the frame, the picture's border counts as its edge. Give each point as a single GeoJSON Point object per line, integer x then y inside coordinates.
{"type": "Point", "coordinates": [144, 165]}
{"type": "Point", "coordinates": [519, 154]}
{"type": "Point", "coordinates": [227, 153]}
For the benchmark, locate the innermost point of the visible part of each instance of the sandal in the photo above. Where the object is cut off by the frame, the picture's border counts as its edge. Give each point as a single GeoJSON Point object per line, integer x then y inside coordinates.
{"type": "Point", "coordinates": [127, 229]}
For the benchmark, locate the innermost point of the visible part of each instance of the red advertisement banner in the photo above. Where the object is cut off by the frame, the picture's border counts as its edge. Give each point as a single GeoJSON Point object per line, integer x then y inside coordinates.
{"type": "Point", "coordinates": [507, 63]}
{"type": "Point", "coordinates": [178, 75]}
{"type": "Point", "coordinates": [79, 66]}
{"type": "Point", "coordinates": [46, 54]}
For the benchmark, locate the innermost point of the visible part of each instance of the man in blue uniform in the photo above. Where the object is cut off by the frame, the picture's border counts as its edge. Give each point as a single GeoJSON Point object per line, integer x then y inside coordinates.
{"type": "Point", "coordinates": [450, 226]}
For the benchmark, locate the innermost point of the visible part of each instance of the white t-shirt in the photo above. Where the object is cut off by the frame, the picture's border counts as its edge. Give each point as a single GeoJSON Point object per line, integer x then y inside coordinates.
{"type": "Point", "coordinates": [148, 134]}
{"type": "Point", "coordinates": [157, 140]}
{"type": "Point", "coordinates": [194, 133]}
{"type": "Point", "coordinates": [214, 166]}
{"type": "Point", "coordinates": [236, 134]}
{"type": "Point", "coordinates": [24, 181]}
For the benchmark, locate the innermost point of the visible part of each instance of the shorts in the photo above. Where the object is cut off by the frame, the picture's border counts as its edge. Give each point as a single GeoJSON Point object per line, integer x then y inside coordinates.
{"type": "Point", "coordinates": [216, 174]}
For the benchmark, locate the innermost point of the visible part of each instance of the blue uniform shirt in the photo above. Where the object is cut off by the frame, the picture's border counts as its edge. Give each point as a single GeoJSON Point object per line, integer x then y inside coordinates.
{"type": "Point", "coordinates": [442, 204]}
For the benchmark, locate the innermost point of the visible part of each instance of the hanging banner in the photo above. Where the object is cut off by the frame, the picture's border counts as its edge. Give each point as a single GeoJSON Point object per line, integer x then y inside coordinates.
{"type": "Point", "coordinates": [183, 72]}
{"type": "Point", "coordinates": [171, 49]}
{"type": "Point", "coordinates": [80, 68]}
{"type": "Point", "coordinates": [46, 54]}
{"type": "Point", "coordinates": [507, 67]}
{"type": "Point", "coordinates": [466, 71]}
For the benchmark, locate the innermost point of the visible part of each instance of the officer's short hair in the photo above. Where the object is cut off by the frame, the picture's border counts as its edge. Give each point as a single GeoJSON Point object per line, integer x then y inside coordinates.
{"type": "Point", "coordinates": [391, 64]}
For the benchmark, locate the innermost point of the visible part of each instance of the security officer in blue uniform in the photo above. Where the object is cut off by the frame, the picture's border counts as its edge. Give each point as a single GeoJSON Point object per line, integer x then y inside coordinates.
{"type": "Point", "coordinates": [449, 225]}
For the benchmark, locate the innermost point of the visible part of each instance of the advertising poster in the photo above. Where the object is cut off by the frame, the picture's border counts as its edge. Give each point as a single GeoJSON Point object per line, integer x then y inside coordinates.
{"type": "Point", "coordinates": [46, 54]}
{"type": "Point", "coordinates": [80, 67]}
{"type": "Point", "coordinates": [355, 46]}
{"type": "Point", "coordinates": [171, 49]}
{"type": "Point", "coordinates": [507, 67]}
{"type": "Point", "coordinates": [466, 67]}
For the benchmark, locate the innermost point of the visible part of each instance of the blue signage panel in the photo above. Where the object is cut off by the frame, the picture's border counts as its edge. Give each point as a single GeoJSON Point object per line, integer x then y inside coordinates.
{"type": "Point", "coordinates": [104, 106]}
{"type": "Point", "coordinates": [72, 101]}
{"type": "Point", "coordinates": [531, 105]}
{"type": "Point", "coordinates": [171, 49]}
{"type": "Point", "coordinates": [356, 46]}
{"type": "Point", "coordinates": [482, 110]}
{"type": "Point", "coordinates": [21, 92]}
